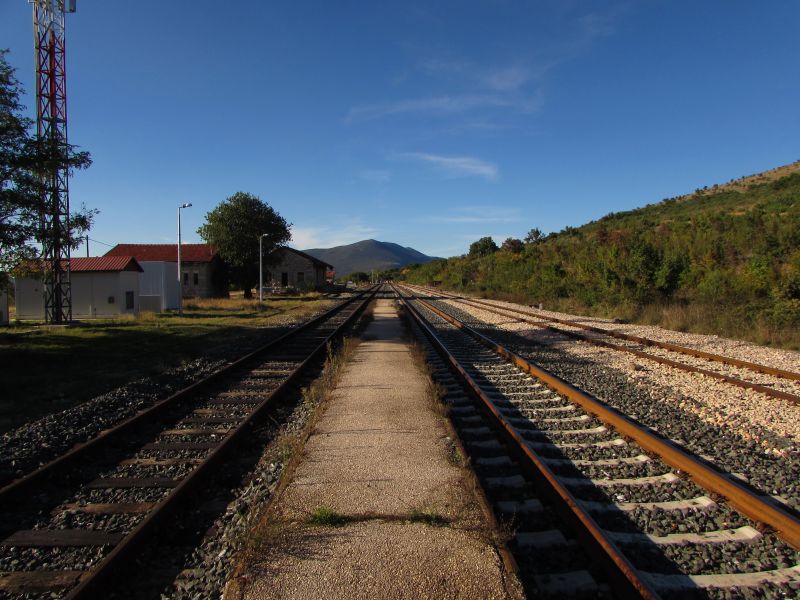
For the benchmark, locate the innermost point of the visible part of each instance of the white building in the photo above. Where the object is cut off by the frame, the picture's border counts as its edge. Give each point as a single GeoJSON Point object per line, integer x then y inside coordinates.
{"type": "Point", "coordinates": [158, 287]}
{"type": "Point", "coordinates": [104, 286]}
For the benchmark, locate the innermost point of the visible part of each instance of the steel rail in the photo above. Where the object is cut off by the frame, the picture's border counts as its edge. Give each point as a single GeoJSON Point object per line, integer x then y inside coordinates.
{"type": "Point", "coordinates": [763, 389]}
{"type": "Point", "coordinates": [623, 576]}
{"type": "Point", "coordinates": [95, 581]}
{"type": "Point", "coordinates": [20, 488]}
{"type": "Point", "coordinates": [704, 474]}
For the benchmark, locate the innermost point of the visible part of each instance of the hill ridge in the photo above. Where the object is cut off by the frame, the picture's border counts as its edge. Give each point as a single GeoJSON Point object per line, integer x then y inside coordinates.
{"type": "Point", "coordinates": [368, 255]}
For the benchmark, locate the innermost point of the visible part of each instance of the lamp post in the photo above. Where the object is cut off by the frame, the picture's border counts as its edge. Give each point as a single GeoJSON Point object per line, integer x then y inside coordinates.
{"type": "Point", "coordinates": [261, 268]}
{"type": "Point", "coordinates": [180, 281]}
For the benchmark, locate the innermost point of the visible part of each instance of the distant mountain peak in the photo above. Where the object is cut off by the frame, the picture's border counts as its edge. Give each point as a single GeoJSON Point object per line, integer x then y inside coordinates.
{"type": "Point", "coordinates": [367, 255]}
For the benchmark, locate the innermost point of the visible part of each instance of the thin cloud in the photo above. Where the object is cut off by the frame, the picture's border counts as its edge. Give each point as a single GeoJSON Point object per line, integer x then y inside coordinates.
{"type": "Point", "coordinates": [497, 78]}
{"type": "Point", "coordinates": [477, 214]}
{"type": "Point", "coordinates": [515, 86]}
{"type": "Point", "coordinates": [326, 237]}
{"type": "Point", "coordinates": [458, 166]}
{"type": "Point", "coordinates": [441, 105]}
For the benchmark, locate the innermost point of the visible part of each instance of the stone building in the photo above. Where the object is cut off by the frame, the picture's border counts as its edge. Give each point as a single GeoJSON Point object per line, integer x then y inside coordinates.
{"type": "Point", "coordinates": [203, 273]}
{"type": "Point", "coordinates": [287, 267]}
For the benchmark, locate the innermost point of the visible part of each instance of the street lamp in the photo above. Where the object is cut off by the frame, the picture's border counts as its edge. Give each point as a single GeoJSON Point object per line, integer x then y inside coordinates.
{"type": "Point", "coordinates": [261, 268]}
{"type": "Point", "coordinates": [180, 282]}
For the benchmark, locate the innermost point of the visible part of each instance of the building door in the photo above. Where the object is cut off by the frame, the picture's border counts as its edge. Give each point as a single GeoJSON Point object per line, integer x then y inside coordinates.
{"type": "Point", "coordinates": [284, 279]}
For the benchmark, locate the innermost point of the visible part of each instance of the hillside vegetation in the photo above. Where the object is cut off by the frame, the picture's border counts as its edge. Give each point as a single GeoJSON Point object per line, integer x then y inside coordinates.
{"type": "Point", "coordinates": [723, 260]}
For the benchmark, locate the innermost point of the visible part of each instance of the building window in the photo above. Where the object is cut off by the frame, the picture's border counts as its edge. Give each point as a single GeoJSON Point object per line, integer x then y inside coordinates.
{"type": "Point", "coordinates": [128, 300]}
{"type": "Point", "coordinates": [185, 279]}
{"type": "Point", "coordinates": [197, 278]}
{"type": "Point", "coordinates": [301, 277]}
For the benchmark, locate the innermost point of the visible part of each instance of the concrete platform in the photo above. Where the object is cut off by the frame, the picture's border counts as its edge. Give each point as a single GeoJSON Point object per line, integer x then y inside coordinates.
{"type": "Point", "coordinates": [378, 457]}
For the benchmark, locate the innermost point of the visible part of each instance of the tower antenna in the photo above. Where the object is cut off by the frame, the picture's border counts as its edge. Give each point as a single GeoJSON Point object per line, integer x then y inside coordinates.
{"type": "Point", "coordinates": [51, 132]}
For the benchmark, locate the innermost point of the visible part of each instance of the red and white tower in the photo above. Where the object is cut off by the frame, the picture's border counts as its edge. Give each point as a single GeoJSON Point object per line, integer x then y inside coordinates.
{"type": "Point", "coordinates": [51, 128]}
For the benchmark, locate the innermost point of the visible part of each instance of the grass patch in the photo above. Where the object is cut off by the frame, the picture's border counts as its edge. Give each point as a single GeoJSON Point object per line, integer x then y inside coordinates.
{"type": "Point", "coordinates": [325, 516]}
{"type": "Point", "coordinates": [454, 455]}
{"type": "Point", "coordinates": [47, 369]}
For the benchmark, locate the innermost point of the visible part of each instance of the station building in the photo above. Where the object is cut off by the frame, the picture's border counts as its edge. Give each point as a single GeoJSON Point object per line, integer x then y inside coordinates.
{"type": "Point", "coordinates": [102, 287]}
{"type": "Point", "coordinates": [287, 267]}
{"type": "Point", "coordinates": [204, 274]}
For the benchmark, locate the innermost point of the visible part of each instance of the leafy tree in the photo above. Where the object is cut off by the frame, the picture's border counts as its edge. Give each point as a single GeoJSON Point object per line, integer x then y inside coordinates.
{"type": "Point", "coordinates": [359, 277]}
{"type": "Point", "coordinates": [513, 245]}
{"type": "Point", "coordinates": [483, 247]}
{"type": "Point", "coordinates": [534, 236]}
{"type": "Point", "coordinates": [22, 158]}
{"type": "Point", "coordinates": [234, 228]}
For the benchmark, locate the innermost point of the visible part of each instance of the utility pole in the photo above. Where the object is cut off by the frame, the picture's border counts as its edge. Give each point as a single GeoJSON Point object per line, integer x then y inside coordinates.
{"type": "Point", "coordinates": [51, 132]}
{"type": "Point", "coordinates": [261, 268]}
{"type": "Point", "coordinates": [180, 280]}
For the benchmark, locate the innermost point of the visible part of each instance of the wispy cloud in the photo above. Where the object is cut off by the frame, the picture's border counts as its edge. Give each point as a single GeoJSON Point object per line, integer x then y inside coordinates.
{"type": "Point", "coordinates": [456, 166]}
{"type": "Point", "coordinates": [479, 87]}
{"type": "Point", "coordinates": [442, 105]}
{"type": "Point", "coordinates": [346, 231]}
{"type": "Point", "coordinates": [507, 78]}
{"type": "Point", "coordinates": [477, 214]}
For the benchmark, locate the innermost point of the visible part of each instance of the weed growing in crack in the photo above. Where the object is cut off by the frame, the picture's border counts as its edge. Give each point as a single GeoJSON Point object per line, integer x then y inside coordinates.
{"type": "Point", "coordinates": [325, 516]}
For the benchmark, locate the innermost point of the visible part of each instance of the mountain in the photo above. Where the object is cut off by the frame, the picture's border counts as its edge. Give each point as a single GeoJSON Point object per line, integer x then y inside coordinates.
{"type": "Point", "coordinates": [367, 255]}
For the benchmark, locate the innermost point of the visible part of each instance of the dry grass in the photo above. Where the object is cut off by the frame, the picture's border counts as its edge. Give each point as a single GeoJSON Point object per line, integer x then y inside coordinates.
{"type": "Point", "coordinates": [742, 184]}
{"type": "Point", "coordinates": [696, 318]}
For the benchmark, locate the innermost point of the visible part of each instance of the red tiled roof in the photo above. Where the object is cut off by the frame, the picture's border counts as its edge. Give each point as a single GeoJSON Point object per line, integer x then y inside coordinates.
{"type": "Point", "coordinates": [165, 252]}
{"type": "Point", "coordinates": [96, 264]}
{"type": "Point", "coordinates": [313, 259]}
{"type": "Point", "coordinates": [104, 263]}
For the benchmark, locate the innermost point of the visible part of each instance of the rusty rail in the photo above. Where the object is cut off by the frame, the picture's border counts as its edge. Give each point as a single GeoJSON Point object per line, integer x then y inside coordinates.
{"type": "Point", "coordinates": [91, 583]}
{"type": "Point", "coordinates": [763, 389]}
{"type": "Point", "coordinates": [747, 502]}
{"type": "Point", "coordinates": [97, 580]}
{"type": "Point", "coordinates": [622, 574]}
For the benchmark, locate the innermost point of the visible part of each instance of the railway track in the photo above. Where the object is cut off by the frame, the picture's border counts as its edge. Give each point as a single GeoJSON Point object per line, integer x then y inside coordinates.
{"type": "Point", "coordinates": [770, 381]}
{"type": "Point", "coordinates": [599, 504]}
{"type": "Point", "coordinates": [131, 481]}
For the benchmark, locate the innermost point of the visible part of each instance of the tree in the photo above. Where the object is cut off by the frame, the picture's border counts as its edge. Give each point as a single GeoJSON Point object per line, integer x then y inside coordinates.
{"type": "Point", "coordinates": [483, 247]}
{"type": "Point", "coordinates": [22, 158]}
{"type": "Point", "coordinates": [234, 228]}
{"type": "Point", "coordinates": [359, 277]}
{"type": "Point", "coordinates": [534, 236]}
{"type": "Point", "coordinates": [513, 245]}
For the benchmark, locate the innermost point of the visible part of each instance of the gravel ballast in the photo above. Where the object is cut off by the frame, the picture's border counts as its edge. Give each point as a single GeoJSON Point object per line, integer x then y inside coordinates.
{"type": "Point", "coordinates": [740, 431]}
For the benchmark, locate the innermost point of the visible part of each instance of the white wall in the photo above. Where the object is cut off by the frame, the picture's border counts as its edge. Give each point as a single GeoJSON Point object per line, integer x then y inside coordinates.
{"type": "Point", "coordinates": [91, 295]}
{"type": "Point", "coordinates": [29, 298]}
{"type": "Point", "coordinates": [160, 279]}
{"type": "Point", "coordinates": [3, 308]}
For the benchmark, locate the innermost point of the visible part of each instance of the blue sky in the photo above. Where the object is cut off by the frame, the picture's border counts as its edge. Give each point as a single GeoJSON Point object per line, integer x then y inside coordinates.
{"type": "Point", "coordinates": [429, 123]}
